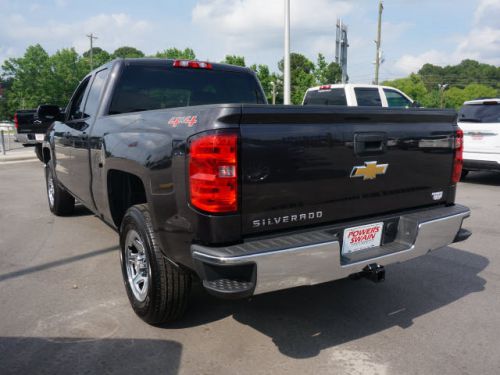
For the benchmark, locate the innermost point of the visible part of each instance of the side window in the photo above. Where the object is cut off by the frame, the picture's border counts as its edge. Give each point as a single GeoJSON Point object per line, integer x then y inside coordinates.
{"type": "Point", "coordinates": [95, 93]}
{"type": "Point", "coordinates": [395, 99]}
{"type": "Point", "coordinates": [368, 96]}
{"type": "Point", "coordinates": [76, 106]}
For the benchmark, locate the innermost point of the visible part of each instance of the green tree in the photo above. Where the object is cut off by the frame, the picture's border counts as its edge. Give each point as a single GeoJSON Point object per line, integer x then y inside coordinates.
{"type": "Point", "coordinates": [99, 57]}
{"type": "Point", "coordinates": [413, 86]}
{"type": "Point", "coordinates": [67, 69]}
{"type": "Point", "coordinates": [234, 60]}
{"type": "Point", "coordinates": [29, 79]}
{"type": "Point", "coordinates": [175, 53]}
{"type": "Point", "coordinates": [126, 51]}
{"type": "Point", "coordinates": [266, 79]}
{"type": "Point", "coordinates": [325, 73]}
{"type": "Point", "coordinates": [302, 75]}
{"type": "Point", "coordinates": [461, 75]}
{"type": "Point", "coordinates": [455, 96]}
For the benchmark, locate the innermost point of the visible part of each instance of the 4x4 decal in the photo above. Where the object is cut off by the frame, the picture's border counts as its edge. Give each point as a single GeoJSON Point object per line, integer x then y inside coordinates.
{"type": "Point", "coordinates": [190, 121]}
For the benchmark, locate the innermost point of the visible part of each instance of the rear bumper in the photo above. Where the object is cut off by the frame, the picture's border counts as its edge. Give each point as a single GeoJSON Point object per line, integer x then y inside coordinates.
{"type": "Point", "coordinates": [315, 257]}
{"type": "Point", "coordinates": [476, 161]}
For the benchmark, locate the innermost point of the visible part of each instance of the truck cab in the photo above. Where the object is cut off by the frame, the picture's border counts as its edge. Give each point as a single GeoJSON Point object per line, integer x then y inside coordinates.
{"type": "Point", "coordinates": [358, 95]}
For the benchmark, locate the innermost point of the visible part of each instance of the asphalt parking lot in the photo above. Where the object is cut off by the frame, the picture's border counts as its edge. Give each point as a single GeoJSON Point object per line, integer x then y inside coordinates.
{"type": "Point", "coordinates": [63, 307]}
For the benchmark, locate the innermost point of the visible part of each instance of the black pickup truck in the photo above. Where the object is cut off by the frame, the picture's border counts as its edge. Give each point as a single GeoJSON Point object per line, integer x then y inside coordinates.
{"type": "Point", "coordinates": [201, 178]}
{"type": "Point", "coordinates": [30, 130]}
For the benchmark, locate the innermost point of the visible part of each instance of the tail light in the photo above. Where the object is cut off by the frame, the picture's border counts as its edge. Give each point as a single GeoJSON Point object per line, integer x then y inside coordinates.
{"type": "Point", "coordinates": [191, 64]}
{"type": "Point", "coordinates": [16, 121]}
{"type": "Point", "coordinates": [213, 172]}
{"type": "Point", "coordinates": [458, 160]}
{"type": "Point", "coordinates": [325, 87]}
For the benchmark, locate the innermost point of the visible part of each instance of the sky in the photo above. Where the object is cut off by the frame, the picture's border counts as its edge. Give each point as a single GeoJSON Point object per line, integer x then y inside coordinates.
{"type": "Point", "coordinates": [441, 32]}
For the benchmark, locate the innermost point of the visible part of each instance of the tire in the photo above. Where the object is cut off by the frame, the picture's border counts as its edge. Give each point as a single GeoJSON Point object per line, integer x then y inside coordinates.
{"type": "Point", "coordinates": [464, 174]}
{"type": "Point", "coordinates": [39, 152]}
{"type": "Point", "coordinates": [61, 203]}
{"type": "Point", "coordinates": [165, 289]}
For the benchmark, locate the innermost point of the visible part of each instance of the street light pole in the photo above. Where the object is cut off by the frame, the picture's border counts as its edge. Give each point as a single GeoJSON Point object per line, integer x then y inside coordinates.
{"type": "Point", "coordinates": [286, 69]}
{"type": "Point", "coordinates": [273, 85]}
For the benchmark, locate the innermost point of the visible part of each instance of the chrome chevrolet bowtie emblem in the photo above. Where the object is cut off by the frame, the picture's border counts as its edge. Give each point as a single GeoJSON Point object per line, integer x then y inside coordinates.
{"type": "Point", "coordinates": [369, 171]}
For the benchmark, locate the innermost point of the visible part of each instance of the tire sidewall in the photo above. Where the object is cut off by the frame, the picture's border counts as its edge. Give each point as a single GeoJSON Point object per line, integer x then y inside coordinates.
{"type": "Point", "coordinates": [49, 173]}
{"type": "Point", "coordinates": [135, 220]}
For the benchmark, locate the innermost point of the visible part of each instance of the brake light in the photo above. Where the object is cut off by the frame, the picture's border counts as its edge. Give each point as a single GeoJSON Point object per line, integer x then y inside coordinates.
{"type": "Point", "coordinates": [325, 87]}
{"type": "Point", "coordinates": [213, 172]}
{"type": "Point", "coordinates": [16, 121]}
{"type": "Point", "coordinates": [458, 160]}
{"type": "Point", "coordinates": [192, 64]}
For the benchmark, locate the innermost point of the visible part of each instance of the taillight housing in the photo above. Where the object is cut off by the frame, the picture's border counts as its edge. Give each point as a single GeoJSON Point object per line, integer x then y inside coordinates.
{"type": "Point", "coordinates": [458, 159]}
{"type": "Point", "coordinates": [325, 87]}
{"type": "Point", "coordinates": [16, 121]}
{"type": "Point", "coordinates": [213, 172]}
{"type": "Point", "coordinates": [191, 64]}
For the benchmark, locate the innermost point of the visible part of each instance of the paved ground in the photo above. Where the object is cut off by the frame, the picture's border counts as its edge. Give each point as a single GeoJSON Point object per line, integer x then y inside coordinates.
{"type": "Point", "coordinates": [15, 151]}
{"type": "Point", "coordinates": [63, 308]}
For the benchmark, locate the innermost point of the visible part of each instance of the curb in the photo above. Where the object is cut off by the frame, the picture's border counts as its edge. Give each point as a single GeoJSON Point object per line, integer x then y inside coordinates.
{"type": "Point", "coordinates": [5, 159]}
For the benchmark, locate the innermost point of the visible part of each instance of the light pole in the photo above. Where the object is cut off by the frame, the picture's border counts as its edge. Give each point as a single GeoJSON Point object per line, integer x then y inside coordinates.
{"type": "Point", "coordinates": [286, 69]}
{"type": "Point", "coordinates": [273, 85]}
{"type": "Point", "coordinates": [442, 87]}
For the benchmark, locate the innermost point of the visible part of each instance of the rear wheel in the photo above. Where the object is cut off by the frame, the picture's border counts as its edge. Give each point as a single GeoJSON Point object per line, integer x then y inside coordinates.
{"type": "Point", "coordinates": [157, 289]}
{"type": "Point", "coordinates": [61, 202]}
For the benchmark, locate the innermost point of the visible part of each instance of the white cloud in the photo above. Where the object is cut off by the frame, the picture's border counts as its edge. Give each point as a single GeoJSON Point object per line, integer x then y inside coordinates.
{"type": "Point", "coordinates": [114, 30]}
{"type": "Point", "coordinates": [412, 63]}
{"type": "Point", "coordinates": [481, 43]}
{"type": "Point", "coordinates": [255, 27]}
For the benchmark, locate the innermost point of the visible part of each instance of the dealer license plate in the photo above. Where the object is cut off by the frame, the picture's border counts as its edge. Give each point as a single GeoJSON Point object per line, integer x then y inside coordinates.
{"type": "Point", "coordinates": [362, 237]}
{"type": "Point", "coordinates": [39, 137]}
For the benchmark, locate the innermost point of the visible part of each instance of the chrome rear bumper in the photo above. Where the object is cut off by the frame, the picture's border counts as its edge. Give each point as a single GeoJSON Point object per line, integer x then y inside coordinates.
{"type": "Point", "coordinates": [315, 257]}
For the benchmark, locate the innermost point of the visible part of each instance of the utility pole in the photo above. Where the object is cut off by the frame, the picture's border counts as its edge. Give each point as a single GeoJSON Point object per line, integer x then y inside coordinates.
{"type": "Point", "coordinates": [286, 68]}
{"type": "Point", "coordinates": [378, 42]}
{"type": "Point", "coordinates": [91, 37]}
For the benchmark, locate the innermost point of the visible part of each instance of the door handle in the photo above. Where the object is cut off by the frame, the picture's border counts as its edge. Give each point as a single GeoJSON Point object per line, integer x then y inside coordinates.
{"type": "Point", "coordinates": [370, 143]}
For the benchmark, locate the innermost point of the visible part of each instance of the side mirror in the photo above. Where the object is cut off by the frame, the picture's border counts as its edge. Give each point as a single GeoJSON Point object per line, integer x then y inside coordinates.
{"type": "Point", "coordinates": [47, 112]}
{"type": "Point", "coordinates": [416, 104]}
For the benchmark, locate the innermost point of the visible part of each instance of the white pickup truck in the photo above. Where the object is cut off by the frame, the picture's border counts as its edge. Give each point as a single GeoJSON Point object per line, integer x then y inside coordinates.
{"type": "Point", "coordinates": [480, 122]}
{"type": "Point", "coordinates": [357, 95]}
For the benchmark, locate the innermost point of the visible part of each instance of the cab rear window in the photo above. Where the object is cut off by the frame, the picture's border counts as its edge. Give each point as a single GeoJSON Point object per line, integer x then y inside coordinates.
{"type": "Point", "coordinates": [326, 97]}
{"type": "Point", "coordinates": [142, 88]}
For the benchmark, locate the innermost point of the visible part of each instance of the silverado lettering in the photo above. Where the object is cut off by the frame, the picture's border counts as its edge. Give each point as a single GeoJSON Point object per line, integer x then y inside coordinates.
{"type": "Point", "coordinates": [287, 219]}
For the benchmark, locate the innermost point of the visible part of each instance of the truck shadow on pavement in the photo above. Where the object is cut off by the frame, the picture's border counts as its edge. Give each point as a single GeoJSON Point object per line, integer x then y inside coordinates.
{"type": "Point", "coordinates": [482, 178]}
{"type": "Point", "coordinates": [303, 321]}
{"type": "Point", "coordinates": [56, 355]}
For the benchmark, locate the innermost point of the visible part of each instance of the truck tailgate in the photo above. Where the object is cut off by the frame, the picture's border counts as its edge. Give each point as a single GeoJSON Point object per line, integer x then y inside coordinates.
{"type": "Point", "coordinates": [307, 165]}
